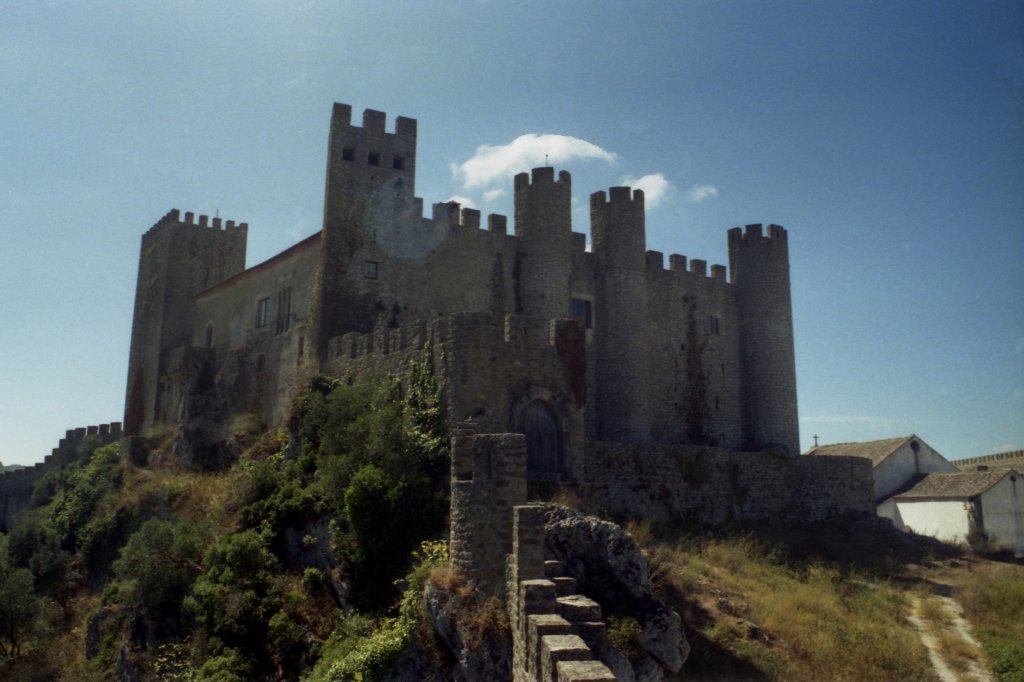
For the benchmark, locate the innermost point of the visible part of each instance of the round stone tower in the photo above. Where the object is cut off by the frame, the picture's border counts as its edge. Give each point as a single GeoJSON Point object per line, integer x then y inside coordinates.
{"type": "Point", "coordinates": [543, 225]}
{"type": "Point", "coordinates": [759, 266]}
{"type": "Point", "coordinates": [619, 244]}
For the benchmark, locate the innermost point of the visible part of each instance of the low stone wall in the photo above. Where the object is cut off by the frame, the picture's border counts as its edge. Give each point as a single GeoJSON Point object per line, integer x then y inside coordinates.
{"type": "Point", "coordinates": [713, 486]}
{"type": "Point", "coordinates": [552, 628]}
{"type": "Point", "coordinates": [16, 486]}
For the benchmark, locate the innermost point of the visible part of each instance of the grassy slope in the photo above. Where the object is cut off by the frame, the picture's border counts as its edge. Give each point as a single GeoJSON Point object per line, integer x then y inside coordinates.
{"type": "Point", "coordinates": [754, 612]}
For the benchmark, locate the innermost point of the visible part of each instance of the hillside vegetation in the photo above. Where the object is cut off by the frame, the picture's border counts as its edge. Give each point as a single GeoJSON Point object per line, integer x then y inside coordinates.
{"type": "Point", "coordinates": [307, 559]}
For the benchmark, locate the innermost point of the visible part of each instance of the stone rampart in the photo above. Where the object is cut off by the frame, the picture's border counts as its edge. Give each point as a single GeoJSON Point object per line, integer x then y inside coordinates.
{"type": "Point", "coordinates": [552, 627]}
{"type": "Point", "coordinates": [1004, 458]}
{"type": "Point", "coordinates": [16, 486]}
{"type": "Point", "coordinates": [714, 486]}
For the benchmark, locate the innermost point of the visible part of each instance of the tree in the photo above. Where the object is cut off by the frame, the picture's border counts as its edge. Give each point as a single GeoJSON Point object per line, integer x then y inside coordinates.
{"type": "Point", "coordinates": [20, 609]}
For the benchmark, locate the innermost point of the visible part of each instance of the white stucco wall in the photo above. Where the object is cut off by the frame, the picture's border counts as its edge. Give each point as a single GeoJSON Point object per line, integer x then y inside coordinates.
{"type": "Point", "coordinates": [1002, 515]}
{"type": "Point", "coordinates": [905, 463]}
{"type": "Point", "coordinates": [1002, 512]}
{"type": "Point", "coordinates": [946, 520]}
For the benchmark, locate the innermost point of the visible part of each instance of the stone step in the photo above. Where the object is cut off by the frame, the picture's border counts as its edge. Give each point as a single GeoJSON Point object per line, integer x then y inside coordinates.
{"type": "Point", "coordinates": [560, 648]}
{"type": "Point", "coordinates": [564, 585]}
{"type": "Point", "coordinates": [583, 671]}
{"type": "Point", "coordinates": [577, 608]}
{"type": "Point", "coordinates": [553, 569]}
{"type": "Point", "coordinates": [593, 633]}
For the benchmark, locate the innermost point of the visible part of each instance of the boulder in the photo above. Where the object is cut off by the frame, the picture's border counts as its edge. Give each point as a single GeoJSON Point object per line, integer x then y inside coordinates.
{"type": "Point", "coordinates": [610, 569]}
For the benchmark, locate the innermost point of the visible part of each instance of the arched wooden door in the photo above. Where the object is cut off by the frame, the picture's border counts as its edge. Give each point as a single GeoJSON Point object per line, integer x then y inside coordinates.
{"type": "Point", "coordinates": [543, 440]}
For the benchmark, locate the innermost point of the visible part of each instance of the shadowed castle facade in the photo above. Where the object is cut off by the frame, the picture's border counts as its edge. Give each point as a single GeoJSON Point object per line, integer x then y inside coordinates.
{"type": "Point", "coordinates": [684, 354]}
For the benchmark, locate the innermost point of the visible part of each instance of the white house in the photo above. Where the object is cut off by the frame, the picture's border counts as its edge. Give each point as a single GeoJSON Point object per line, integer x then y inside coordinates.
{"type": "Point", "coordinates": [950, 506]}
{"type": "Point", "coordinates": [922, 492]}
{"type": "Point", "coordinates": [894, 460]}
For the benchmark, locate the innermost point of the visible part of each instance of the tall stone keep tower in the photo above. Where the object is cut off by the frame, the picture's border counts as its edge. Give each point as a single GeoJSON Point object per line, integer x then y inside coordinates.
{"type": "Point", "coordinates": [618, 234]}
{"type": "Point", "coordinates": [759, 267]}
{"type": "Point", "coordinates": [370, 186]}
{"type": "Point", "coordinates": [179, 257]}
{"type": "Point", "coordinates": [543, 211]}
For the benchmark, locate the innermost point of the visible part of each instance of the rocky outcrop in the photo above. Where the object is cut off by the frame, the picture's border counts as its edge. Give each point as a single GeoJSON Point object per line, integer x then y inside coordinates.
{"type": "Point", "coordinates": [482, 653]}
{"type": "Point", "coordinates": [609, 568]}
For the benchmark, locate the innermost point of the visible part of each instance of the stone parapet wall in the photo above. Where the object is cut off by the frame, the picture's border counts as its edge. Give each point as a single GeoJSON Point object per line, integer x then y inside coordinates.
{"type": "Point", "coordinates": [16, 486]}
{"type": "Point", "coordinates": [713, 486]}
{"type": "Point", "coordinates": [550, 627]}
{"type": "Point", "coordinates": [1003, 459]}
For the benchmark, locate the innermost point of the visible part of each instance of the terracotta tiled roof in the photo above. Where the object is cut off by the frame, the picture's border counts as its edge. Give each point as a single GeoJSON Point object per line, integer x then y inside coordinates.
{"type": "Point", "coordinates": [959, 485]}
{"type": "Point", "coordinates": [875, 450]}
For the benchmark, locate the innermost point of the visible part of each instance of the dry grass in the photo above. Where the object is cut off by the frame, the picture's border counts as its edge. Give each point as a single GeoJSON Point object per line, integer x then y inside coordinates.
{"type": "Point", "coordinates": [792, 620]}
{"type": "Point", "coordinates": [957, 652]}
{"type": "Point", "coordinates": [992, 595]}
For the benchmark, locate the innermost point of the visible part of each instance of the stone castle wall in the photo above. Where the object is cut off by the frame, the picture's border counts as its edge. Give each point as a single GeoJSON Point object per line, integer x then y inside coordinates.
{"type": "Point", "coordinates": [714, 487]}
{"type": "Point", "coordinates": [179, 257]}
{"type": "Point", "coordinates": [16, 486]}
{"type": "Point", "coordinates": [1006, 460]}
{"type": "Point", "coordinates": [681, 354]}
{"type": "Point", "coordinates": [492, 368]}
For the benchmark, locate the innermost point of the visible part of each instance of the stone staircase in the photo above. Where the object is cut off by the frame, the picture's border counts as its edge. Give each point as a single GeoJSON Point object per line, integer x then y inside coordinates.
{"type": "Point", "coordinates": [556, 631]}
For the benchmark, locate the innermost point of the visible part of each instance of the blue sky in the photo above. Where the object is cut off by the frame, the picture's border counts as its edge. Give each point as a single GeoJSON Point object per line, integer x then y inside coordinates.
{"type": "Point", "coordinates": [887, 137]}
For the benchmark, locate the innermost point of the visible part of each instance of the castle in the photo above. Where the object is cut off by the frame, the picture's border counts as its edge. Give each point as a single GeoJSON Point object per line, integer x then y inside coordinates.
{"type": "Point", "coordinates": [683, 355]}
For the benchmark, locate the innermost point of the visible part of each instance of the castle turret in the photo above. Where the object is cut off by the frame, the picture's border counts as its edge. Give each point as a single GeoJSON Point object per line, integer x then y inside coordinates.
{"type": "Point", "coordinates": [179, 258]}
{"type": "Point", "coordinates": [370, 188]}
{"type": "Point", "coordinates": [618, 235]}
{"type": "Point", "coordinates": [759, 266]}
{"type": "Point", "coordinates": [543, 212]}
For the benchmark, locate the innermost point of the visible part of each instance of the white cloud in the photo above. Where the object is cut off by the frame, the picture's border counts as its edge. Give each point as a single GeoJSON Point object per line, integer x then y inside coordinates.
{"type": "Point", "coordinates": [654, 185]}
{"type": "Point", "coordinates": [464, 202]}
{"type": "Point", "coordinates": [498, 162]}
{"type": "Point", "coordinates": [492, 194]}
{"type": "Point", "coordinates": [699, 193]}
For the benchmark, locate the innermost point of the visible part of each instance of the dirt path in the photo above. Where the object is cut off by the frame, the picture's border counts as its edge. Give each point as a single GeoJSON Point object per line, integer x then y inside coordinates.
{"type": "Point", "coordinates": [953, 651]}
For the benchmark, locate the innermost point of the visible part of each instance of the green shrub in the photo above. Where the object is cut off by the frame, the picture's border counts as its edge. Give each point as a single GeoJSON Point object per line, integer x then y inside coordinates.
{"type": "Point", "coordinates": [388, 518]}
{"type": "Point", "coordinates": [86, 484]}
{"type": "Point", "coordinates": [20, 608]}
{"type": "Point", "coordinates": [232, 596]}
{"type": "Point", "coordinates": [159, 564]}
{"type": "Point", "coordinates": [231, 665]}
{"type": "Point", "coordinates": [626, 635]}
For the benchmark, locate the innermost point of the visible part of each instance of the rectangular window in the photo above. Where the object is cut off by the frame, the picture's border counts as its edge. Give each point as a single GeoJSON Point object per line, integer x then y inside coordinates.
{"type": "Point", "coordinates": [714, 328]}
{"type": "Point", "coordinates": [348, 154]}
{"type": "Point", "coordinates": [580, 309]}
{"type": "Point", "coordinates": [398, 163]}
{"type": "Point", "coordinates": [284, 311]}
{"type": "Point", "coordinates": [370, 269]}
{"type": "Point", "coordinates": [373, 159]}
{"type": "Point", "coordinates": [262, 312]}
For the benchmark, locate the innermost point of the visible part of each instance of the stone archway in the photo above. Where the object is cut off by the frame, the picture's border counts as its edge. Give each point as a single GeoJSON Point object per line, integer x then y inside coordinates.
{"type": "Point", "coordinates": [539, 424]}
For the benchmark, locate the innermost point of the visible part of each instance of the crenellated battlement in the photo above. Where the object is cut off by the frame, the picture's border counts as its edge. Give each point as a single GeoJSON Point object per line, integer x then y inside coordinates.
{"type": "Point", "coordinates": [174, 218]}
{"type": "Point", "coordinates": [986, 459]}
{"type": "Point", "coordinates": [617, 196]}
{"type": "Point", "coordinates": [678, 267]}
{"type": "Point", "coordinates": [452, 214]}
{"type": "Point", "coordinates": [544, 175]}
{"type": "Point", "coordinates": [16, 486]}
{"type": "Point", "coordinates": [373, 122]}
{"type": "Point", "coordinates": [755, 234]}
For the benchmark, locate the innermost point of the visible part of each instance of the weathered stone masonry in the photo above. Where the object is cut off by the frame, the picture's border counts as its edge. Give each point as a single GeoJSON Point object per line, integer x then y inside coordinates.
{"type": "Point", "coordinates": [673, 355]}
